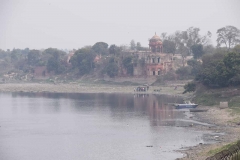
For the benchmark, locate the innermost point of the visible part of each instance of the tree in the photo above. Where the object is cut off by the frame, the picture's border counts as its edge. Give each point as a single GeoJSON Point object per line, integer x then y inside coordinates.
{"type": "Point", "coordinates": [16, 54]}
{"type": "Point", "coordinates": [196, 65]}
{"type": "Point", "coordinates": [189, 87]}
{"type": "Point", "coordinates": [191, 37]}
{"type": "Point", "coordinates": [184, 40]}
{"type": "Point", "coordinates": [232, 63]}
{"type": "Point", "coordinates": [54, 58]}
{"type": "Point", "coordinates": [184, 72]}
{"type": "Point", "coordinates": [132, 45]}
{"type": "Point", "coordinates": [52, 65]}
{"type": "Point", "coordinates": [208, 49]}
{"type": "Point", "coordinates": [164, 35]}
{"type": "Point", "coordinates": [111, 69]}
{"type": "Point", "coordinates": [169, 46]}
{"type": "Point", "coordinates": [83, 59]}
{"type": "Point", "coordinates": [184, 53]}
{"type": "Point", "coordinates": [236, 49]}
{"type": "Point", "coordinates": [229, 36]}
{"type": "Point", "coordinates": [100, 48]}
{"type": "Point", "coordinates": [113, 49]}
{"type": "Point", "coordinates": [25, 51]}
{"type": "Point", "coordinates": [139, 46]}
{"type": "Point", "coordinates": [33, 57]}
{"type": "Point", "coordinates": [197, 50]}
{"type": "Point", "coordinates": [127, 63]}
{"type": "Point", "coordinates": [220, 71]}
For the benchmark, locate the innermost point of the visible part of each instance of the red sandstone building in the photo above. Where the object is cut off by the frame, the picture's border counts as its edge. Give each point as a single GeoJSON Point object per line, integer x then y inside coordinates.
{"type": "Point", "coordinates": [156, 62]}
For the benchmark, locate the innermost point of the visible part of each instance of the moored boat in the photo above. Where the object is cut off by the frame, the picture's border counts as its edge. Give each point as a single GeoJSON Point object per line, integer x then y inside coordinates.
{"type": "Point", "coordinates": [186, 105]}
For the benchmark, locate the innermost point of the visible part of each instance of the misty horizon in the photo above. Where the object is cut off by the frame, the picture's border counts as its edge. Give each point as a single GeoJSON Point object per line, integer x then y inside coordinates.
{"type": "Point", "coordinates": [75, 24]}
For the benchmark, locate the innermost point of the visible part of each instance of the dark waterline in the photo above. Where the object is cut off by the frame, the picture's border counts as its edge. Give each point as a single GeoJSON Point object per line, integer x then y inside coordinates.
{"type": "Point", "coordinates": [92, 126]}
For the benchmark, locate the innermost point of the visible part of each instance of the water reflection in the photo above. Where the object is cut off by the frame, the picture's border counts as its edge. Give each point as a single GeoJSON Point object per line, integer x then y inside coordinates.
{"type": "Point", "coordinates": [120, 105]}
{"type": "Point", "coordinates": [91, 126]}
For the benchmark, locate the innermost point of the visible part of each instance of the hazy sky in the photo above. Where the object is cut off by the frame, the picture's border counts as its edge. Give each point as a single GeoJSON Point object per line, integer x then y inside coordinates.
{"type": "Point", "coordinates": [68, 24]}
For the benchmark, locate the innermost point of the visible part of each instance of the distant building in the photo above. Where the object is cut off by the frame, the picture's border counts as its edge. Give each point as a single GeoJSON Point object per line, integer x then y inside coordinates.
{"type": "Point", "coordinates": [153, 62]}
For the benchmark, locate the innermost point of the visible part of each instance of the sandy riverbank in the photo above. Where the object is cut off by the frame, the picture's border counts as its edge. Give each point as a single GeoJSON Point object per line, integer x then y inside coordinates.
{"type": "Point", "coordinates": [85, 88]}
{"type": "Point", "coordinates": [224, 122]}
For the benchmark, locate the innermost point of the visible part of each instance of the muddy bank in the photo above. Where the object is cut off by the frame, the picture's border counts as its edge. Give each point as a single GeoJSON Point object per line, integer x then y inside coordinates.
{"type": "Point", "coordinates": [224, 130]}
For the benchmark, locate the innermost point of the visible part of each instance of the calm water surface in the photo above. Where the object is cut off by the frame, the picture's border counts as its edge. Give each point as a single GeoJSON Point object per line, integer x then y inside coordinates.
{"type": "Point", "coordinates": [49, 126]}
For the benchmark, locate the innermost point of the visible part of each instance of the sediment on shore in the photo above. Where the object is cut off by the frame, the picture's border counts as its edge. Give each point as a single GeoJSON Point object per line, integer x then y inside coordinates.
{"type": "Point", "coordinates": [225, 130]}
{"type": "Point", "coordinates": [86, 88]}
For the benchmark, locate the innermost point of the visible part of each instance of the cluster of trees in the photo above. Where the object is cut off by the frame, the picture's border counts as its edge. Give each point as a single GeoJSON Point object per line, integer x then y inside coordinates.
{"type": "Point", "coordinates": [27, 59]}
{"type": "Point", "coordinates": [220, 70]}
{"type": "Point", "coordinates": [83, 60]}
{"type": "Point", "coordinates": [215, 69]}
{"type": "Point", "coordinates": [111, 68]}
{"type": "Point", "coordinates": [190, 42]}
{"type": "Point", "coordinates": [137, 46]}
{"type": "Point", "coordinates": [186, 43]}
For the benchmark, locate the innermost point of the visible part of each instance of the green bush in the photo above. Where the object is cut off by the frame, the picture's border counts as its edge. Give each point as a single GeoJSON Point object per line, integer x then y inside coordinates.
{"type": "Point", "coordinates": [189, 87]}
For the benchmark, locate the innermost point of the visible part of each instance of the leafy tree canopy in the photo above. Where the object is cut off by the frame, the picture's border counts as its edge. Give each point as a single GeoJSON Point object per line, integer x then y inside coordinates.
{"type": "Point", "coordinates": [33, 57]}
{"type": "Point", "coordinates": [228, 36]}
{"type": "Point", "coordinates": [53, 52]}
{"type": "Point", "coordinates": [127, 63]}
{"type": "Point", "coordinates": [189, 87]}
{"type": "Point", "coordinates": [133, 45]}
{"type": "Point", "coordinates": [196, 65]}
{"type": "Point", "coordinates": [100, 48]}
{"type": "Point", "coordinates": [111, 69]}
{"type": "Point", "coordinates": [197, 50]}
{"type": "Point", "coordinates": [55, 60]}
{"type": "Point", "coordinates": [113, 49]}
{"type": "Point", "coordinates": [83, 59]}
{"type": "Point", "coordinates": [220, 71]}
{"type": "Point", "coordinates": [236, 49]}
{"type": "Point", "coordinates": [169, 46]}
{"type": "Point", "coordinates": [139, 46]}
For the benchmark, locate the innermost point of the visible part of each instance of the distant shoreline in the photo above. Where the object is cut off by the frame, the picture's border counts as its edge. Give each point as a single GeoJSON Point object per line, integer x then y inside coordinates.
{"type": "Point", "coordinates": [86, 88]}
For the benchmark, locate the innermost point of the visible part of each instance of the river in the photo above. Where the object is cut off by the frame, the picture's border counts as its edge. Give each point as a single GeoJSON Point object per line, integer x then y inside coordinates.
{"type": "Point", "coordinates": [54, 126]}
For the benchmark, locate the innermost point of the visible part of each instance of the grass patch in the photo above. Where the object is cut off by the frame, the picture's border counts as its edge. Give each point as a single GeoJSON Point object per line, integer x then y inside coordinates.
{"type": "Point", "coordinates": [217, 150]}
{"type": "Point", "coordinates": [235, 110]}
{"type": "Point", "coordinates": [208, 99]}
{"type": "Point", "coordinates": [234, 104]}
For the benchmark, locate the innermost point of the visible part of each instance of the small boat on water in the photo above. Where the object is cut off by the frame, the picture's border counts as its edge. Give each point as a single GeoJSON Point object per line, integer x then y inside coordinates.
{"type": "Point", "coordinates": [186, 105]}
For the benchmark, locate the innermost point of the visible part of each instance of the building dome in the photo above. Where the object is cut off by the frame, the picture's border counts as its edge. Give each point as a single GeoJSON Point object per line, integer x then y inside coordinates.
{"type": "Point", "coordinates": [156, 37]}
{"type": "Point", "coordinates": [155, 43]}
